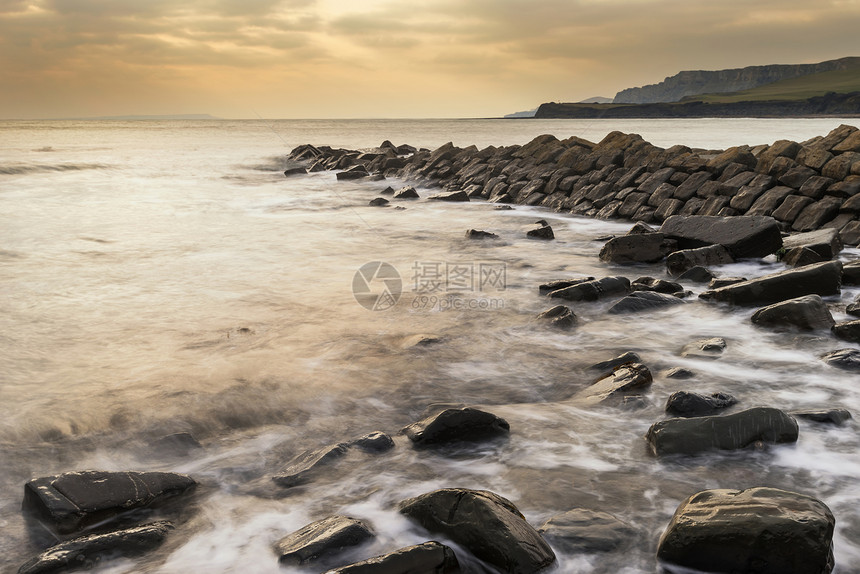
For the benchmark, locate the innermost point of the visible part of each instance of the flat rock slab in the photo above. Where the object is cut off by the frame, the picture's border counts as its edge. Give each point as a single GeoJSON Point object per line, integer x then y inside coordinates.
{"type": "Point", "coordinates": [845, 359]}
{"type": "Point", "coordinates": [627, 379]}
{"type": "Point", "coordinates": [587, 531]}
{"type": "Point", "coordinates": [484, 523]}
{"type": "Point", "coordinates": [808, 312]}
{"type": "Point", "coordinates": [72, 501]}
{"type": "Point", "coordinates": [825, 242]}
{"type": "Point", "coordinates": [743, 236]}
{"type": "Point", "coordinates": [640, 301]}
{"type": "Point", "coordinates": [727, 432]}
{"type": "Point", "coordinates": [761, 530]}
{"type": "Point", "coordinates": [611, 364]}
{"type": "Point", "coordinates": [818, 279]}
{"type": "Point", "coordinates": [86, 550]}
{"type": "Point", "coordinates": [593, 290]}
{"type": "Point", "coordinates": [452, 425]}
{"type": "Point", "coordinates": [686, 404]}
{"type": "Point", "coordinates": [322, 539]}
{"type": "Point", "coordinates": [300, 469]}
{"type": "Point", "coordinates": [637, 248]}
{"type": "Point", "coordinates": [450, 196]}
{"type": "Point", "coordinates": [427, 558]}
{"type": "Point", "coordinates": [561, 284]}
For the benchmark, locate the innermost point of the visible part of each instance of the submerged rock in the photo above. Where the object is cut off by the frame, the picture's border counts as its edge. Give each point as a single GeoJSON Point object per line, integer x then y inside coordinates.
{"type": "Point", "coordinates": [378, 202]}
{"type": "Point", "coordinates": [478, 234]}
{"type": "Point", "coordinates": [559, 316]}
{"type": "Point", "coordinates": [808, 312]}
{"type": "Point", "coordinates": [456, 425]}
{"type": "Point", "coordinates": [656, 285]}
{"type": "Point", "coordinates": [705, 348]}
{"type": "Point", "coordinates": [727, 432]}
{"type": "Point", "coordinates": [686, 404]}
{"type": "Point", "coordinates": [374, 442]}
{"type": "Point", "coordinates": [321, 539]}
{"type": "Point", "coordinates": [681, 261]}
{"type": "Point", "coordinates": [640, 301]}
{"type": "Point", "coordinates": [611, 364]}
{"type": "Point", "coordinates": [846, 359]}
{"type": "Point", "coordinates": [848, 331]}
{"type": "Point", "coordinates": [679, 373]}
{"type": "Point", "coordinates": [761, 530]}
{"type": "Point", "coordinates": [542, 232]}
{"type": "Point", "coordinates": [743, 236]}
{"type": "Point", "coordinates": [697, 274]}
{"type": "Point", "coordinates": [819, 279]}
{"type": "Point", "coordinates": [550, 286]}
{"type": "Point", "coordinates": [593, 290]}
{"type": "Point", "coordinates": [407, 192]}
{"type": "Point", "coordinates": [85, 551]}
{"type": "Point", "coordinates": [450, 196]}
{"type": "Point", "coordinates": [484, 523]}
{"type": "Point", "coordinates": [297, 170]}
{"type": "Point", "coordinates": [836, 417]}
{"type": "Point", "coordinates": [299, 469]}
{"type": "Point", "coordinates": [625, 380]}
{"type": "Point", "coordinates": [427, 558]}
{"type": "Point", "coordinates": [72, 501]}
{"type": "Point", "coordinates": [587, 531]}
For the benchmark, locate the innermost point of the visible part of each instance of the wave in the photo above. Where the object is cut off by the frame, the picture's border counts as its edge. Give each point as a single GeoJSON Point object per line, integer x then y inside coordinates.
{"type": "Point", "coordinates": [21, 169]}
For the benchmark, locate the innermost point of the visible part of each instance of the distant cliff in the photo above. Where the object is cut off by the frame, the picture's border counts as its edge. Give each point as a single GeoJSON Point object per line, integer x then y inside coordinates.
{"type": "Point", "coordinates": [690, 83]}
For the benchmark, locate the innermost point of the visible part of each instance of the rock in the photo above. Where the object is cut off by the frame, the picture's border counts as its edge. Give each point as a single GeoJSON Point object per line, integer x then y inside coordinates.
{"type": "Point", "coordinates": [612, 388]}
{"type": "Point", "coordinates": [637, 248]}
{"type": "Point", "coordinates": [374, 442]}
{"type": "Point", "coordinates": [355, 172]}
{"type": "Point", "coordinates": [808, 312]}
{"type": "Point", "coordinates": [593, 290]}
{"type": "Point", "coordinates": [612, 364]}
{"type": "Point", "coordinates": [851, 273]}
{"type": "Point", "coordinates": [697, 274]}
{"type": "Point", "coordinates": [640, 301]}
{"type": "Point", "coordinates": [387, 191]}
{"type": "Point", "coordinates": [743, 236]}
{"type": "Point", "coordinates": [679, 373]}
{"type": "Point", "coordinates": [800, 257]}
{"type": "Point", "coordinates": [825, 242]}
{"type": "Point", "coordinates": [298, 170]}
{"type": "Point", "coordinates": [476, 234]}
{"type": "Point", "coordinates": [718, 282]}
{"type": "Point", "coordinates": [587, 531]}
{"type": "Point", "coordinates": [407, 192]}
{"type": "Point", "coordinates": [484, 523]}
{"type": "Point", "coordinates": [321, 539]}
{"type": "Point", "coordinates": [762, 530]}
{"type": "Point", "coordinates": [503, 208]}
{"type": "Point", "coordinates": [836, 417]}
{"type": "Point", "coordinates": [561, 284]}
{"type": "Point", "coordinates": [177, 444]}
{"type": "Point", "coordinates": [818, 279]}
{"type": "Point", "coordinates": [301, 468]}
{"type": "Point", "coordinates": [378, 202]}
{"type": "Point", "coordinates": [846, 359]}
{"type": "Point", "coordinates": [85, 551]}
{"type": "Point", "coordinates": [75, 500]}
{"type": "Point", "coordinates": [686, 404]}
{"type": "Point", "coordinates": [427, 558]}
{"type": "Point", "coordinates": [815, 215]}
{"type": "Point", "coordinates": [559, 316]}
{"type": "Point", "coordinates": [456, 425]}
{"type": "Point", "coordinates": [727, 432]}
{"type": "Point", "coordinates": [542, 232]}
{"type": "Point", "coordinates": [450, 196]}
{"type": "Point", "coordinates": [656, 285]}
{"type": "Point", "coordinates": [705, 348]}
{"type": "Point", "coordinates": [684, 260]}
{"type": "Point", "coordinates": [419, 340]}
{"type": "Point", "coordinates": [847, 331]}
{"type": "Point", "coordinates": [640, 228]}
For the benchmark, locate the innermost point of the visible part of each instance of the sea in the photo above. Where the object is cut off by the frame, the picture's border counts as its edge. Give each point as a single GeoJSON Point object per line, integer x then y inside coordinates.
{"type": "Point", "coordinates": [164, 277]}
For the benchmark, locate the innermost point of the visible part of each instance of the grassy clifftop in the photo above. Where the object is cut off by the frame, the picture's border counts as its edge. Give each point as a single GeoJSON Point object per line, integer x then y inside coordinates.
{"type": "Point", "coordinates": [801, 88]}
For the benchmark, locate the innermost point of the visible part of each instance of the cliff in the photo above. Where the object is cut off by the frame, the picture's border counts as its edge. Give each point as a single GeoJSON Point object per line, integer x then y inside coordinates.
{"type": "Point", "coordinates": [689, 83]}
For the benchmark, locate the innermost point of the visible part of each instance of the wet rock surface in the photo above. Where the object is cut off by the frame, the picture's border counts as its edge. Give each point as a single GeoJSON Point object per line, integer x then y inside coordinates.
{"type": "Point", "coordinates": [322, 539]}
{"type": "Point", "coordinates": [628, 379]}
{"type": "Point", "coordinates": [748, 236]}
{"type": "Point", "coordinates": [427, 558]}
{"type": "Point", "coordinates": [807, 312]}
{"type": "Point", "coordinates": [587, 531]}
{"type": "Point", "coordinates": [454, 425]}
{"type": "Point", "coordinates": [819, 279]}
{"type": "Point", "coordinates": [641, 301]}
{"type": "Point", "coordinates": [593, 290]}
{"type": "Point", "coordinates": [846, 359]}
{"type": "Point", "coordinates": [559, 316]}
{"type": "Point", "coordinates": [687, 404]}
{"type": "Point", "coordinates": [302, 468]}
{"type": "Point", "coordinates": [836, 417]}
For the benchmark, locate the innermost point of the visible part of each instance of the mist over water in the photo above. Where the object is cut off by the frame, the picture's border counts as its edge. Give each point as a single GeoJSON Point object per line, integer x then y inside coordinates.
{"type": "Point", "coordinates": [163, 277]}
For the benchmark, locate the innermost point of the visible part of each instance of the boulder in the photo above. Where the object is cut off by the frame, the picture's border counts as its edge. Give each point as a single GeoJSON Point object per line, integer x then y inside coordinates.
{"type": "Point", "coordinates": [640, 301]}
{"type": "Point", "coordinates": [587, 531]}
{"type": "Point", "coordinates": [593, 290]}
{"type": "Point", "coordinates": [762, 530]}
{"type": "Point", "coordinates": [679, 373]}
{"type": "Point", "coordinates": [610, 365]}
{"type": "Point", "coordinates": [456, 425]}
{"type": "Point", "coordinates": [322, 539]}
{"type": "Point", "coordinates": [846, 359]}
{"type": "Point", "coordinates": [686, 404]}
{"type": "Point", "coordinates": [836, 417]}
{"type": "Point", "coordinates": [743, 236]}
{"type": "Point", "coordinates": [477, 234]}
{"type": "Point", "coordinates": [301, 468]}
{"type": "Point", "coordinates": [75, 500]}
{"type": "Point", "coordinates": [559, 316]}
{"type": "Point", "coordinates": [815, 215]}
{"type": "Point", "coordinates": [697, 274]}
{"type": "Point", "coordinates": [484, 523]}
{"type": "Point", "coordinates": [656, 285]}
{"type": "Point", "coordinates": [718, 282]}
{"type": "Point", "coordinates": [627, 379]}
{"type": "Point", "coordinates": [542, 232]}
{"type": "Point", "coordinates": [407, 192]}
{"type": "Point", "coordinates": [297, 170]}
{"type": "Point", "coordinates": [378, 202]}
{"type": "Point", "coordinates": [374, 442]}
{"type": "Point", "coordinates": [711, 348]}
{"type": "Point", "coordinates": [685, 259]}
{"type": "Point", "coordinates": [851, 273]}
{"type": "Point", "coordinates": [818, 279]}
{"type": "Point", "coordinates": [825, 242]}
{"type": "Point", "coordinates": [808, 312]}
{"type": "Point", "coordinates": [450, 196]}
{"type": "Point", "coordinates": [727, 432]}
{"type": "Point", "coordinates": [637, 248]}
{"type": "Point", "coordinates": [847, 331]}
{"type": "Point", "coordinates": [355, 172]}
{"type": "Point", "coordinates": [88, 550]}
{"type": "Point", "coordinates": [427, 558]}
{"type": "Point", "coordinates": [800, 257]}
{"type": "Point", "coordinates": [561, 284]}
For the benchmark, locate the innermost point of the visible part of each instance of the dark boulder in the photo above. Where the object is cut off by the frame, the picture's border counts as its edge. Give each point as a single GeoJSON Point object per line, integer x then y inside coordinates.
{"type": "Point", "coordinates": [610, 365]}
{"type": "Point", "coordinates": [727, 432]}
{"type": "Point", "coordinates": [72, 501]}
{"type": "Point", "coordinates": [697, 274]}
{"type": "Point", "coordinates": [322, 539]}
{"type": "Point", "coordinates": [450, 196]}
{"type": "Point", "coordinates": [456, 425]}
{"type": "Point", "coordinates": [808, 312]}
{"type": "Point", "coordinates": [484, 523]}
{"type": "Point", "coordinates": [825, 242]}
{"type": "Point", "coordinates": [378, 202]}
{"type": "Point", "coordinates": [637, 248]}
{"type": "Point", "coordinates": [593, 290]}
{"type": "Point", "coordinates": [836, 417]}
{"type": "Point", "coordinates": [718, 282]}
{"type": "Point", "coordinates": [761, 530]}
{"type": "Point", "coordinates": [818, 279]}
{"type": "Point", "coordinates": [85, 551]}
{"type": "Point", "coordinates": [705, 348]}
{"type": "Point", "coordinates": [686, 404]}
{"type": "Point", "coordinates": [743, 236]}
{"type": "Point", "coordinates": [801, 256]}
{"type": "Point", "coordinates": [478, 234]}
{"type": "Point", "coordinates": [427, 558]}
{"type": "Point", "coordinates": [542, 232]}
{"type": "Point", "coordinates": [301, 468]}
{"type": "Point", "coordinates": [656, 285]}
{"type": "Point", "coordinates": [559, 316]}
{"type": "Point", "coordinates": [679, 373]}
{"type": "Point", "coordinates": [851, 273]}
{"type": "Point", "coordinates": [846, 359]}
{"type": "Point", "coordinates": [561, 284]}
{"type": "Point", "coordinates": [297, 170]}
{"type": "Point", "coordinates": [631, 378]}
{"type": "Point", "coordinates": [374, 442]}
{"type": "Point", "coordinates": [355, 172]}
{"type": "Point", "coordinates": [407, 192]}
{"type": "Point", "coordinates": [685, 259]}
{"type": "Point", "coordinates": [640, 301]}
{"type": "Point", "coordinates": [847, 331]}
{"type": "Point", "coordinates": [587, 531]}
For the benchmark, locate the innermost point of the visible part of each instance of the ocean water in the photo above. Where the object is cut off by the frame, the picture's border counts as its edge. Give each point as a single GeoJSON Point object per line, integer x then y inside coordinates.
{"type": "Point", "coordinates": [164, 277]}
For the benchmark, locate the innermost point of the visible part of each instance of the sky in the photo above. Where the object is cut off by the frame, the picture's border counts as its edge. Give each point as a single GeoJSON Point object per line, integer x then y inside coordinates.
{"type": "Point", "coordinates": [384, 58]}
